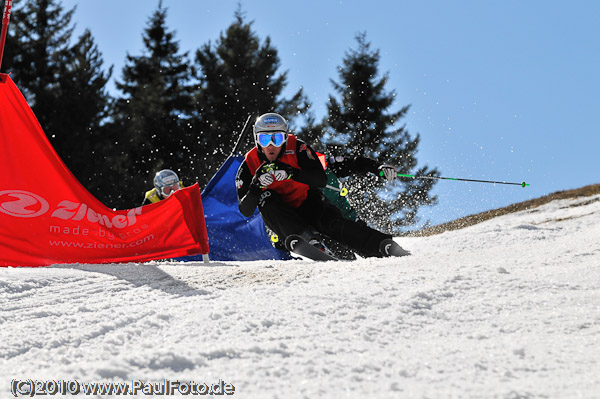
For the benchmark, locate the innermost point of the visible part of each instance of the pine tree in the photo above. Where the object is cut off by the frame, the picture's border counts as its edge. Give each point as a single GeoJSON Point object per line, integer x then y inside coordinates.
{"type": "Point", "coordinates": [62, 82]}
{"type": "Point", "coordinates": [38, 44]}
{"type": "Point", "coordinates": [360, 123]}
{"type": "Point", "coordinates": [84, 108]}
{"type": "Point", "coordinates": [238, 77]}
{"type": "Point", "coordinates": [151, 121]}
{"type": "Point", "coordinates": [9, 42]}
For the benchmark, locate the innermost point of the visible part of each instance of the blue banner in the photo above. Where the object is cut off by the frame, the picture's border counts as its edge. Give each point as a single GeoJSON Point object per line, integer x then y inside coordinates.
{"type": "Point", "coordinates": [232, 236]}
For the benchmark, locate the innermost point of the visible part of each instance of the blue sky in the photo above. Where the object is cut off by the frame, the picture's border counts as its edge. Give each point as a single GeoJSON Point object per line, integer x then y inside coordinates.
{"type": "Point", "coordinates": [499, 90]}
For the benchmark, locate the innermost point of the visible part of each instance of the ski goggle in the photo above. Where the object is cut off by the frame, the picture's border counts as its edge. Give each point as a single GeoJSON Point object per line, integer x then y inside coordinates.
{"type": "Point", "coordinates": [264, 139]}
{"type": "Point", "coordinates": [170, 189]}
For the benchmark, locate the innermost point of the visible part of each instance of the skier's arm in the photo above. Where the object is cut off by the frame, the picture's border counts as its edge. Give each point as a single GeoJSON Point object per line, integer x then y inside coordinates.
{"type": "Point", "coordinates": [311, 171]}
{"type": "Point", "coordinates": [248, 190]}
{"type": "Point", "coordinates": [346, 166]}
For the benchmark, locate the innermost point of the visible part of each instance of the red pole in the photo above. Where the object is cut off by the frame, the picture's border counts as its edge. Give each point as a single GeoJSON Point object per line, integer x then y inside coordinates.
{"type": "Point", "coordinates": [5, 20]}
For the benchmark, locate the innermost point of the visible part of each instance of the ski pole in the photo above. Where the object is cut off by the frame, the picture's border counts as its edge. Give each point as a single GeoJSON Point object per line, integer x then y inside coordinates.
{"type": "Point", "coordinates": [5, 21]}
{"type": "Point", "coordinates": [343, 191]}
{"type": "Point", "coordinates": [522, 184]}
{"type": "Point", "coordinates": [238, 143]}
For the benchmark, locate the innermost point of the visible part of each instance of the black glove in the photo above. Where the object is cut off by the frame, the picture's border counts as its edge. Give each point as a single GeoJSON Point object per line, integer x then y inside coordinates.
{"type": "Point", "coordinates": [255, 187]}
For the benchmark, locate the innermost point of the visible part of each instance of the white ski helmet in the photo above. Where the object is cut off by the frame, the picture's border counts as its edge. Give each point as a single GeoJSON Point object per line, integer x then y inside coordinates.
{"type": "Point", "coordinates": [270, 123]}
{"type": "Point", "coordinates": [166, 182]}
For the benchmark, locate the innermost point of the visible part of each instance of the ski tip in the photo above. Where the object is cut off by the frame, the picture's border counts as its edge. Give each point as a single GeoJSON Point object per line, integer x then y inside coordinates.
{"type": "Point", "coordinates": [299, 246]}
{"type": "Point", "coordinates": [389, 247]}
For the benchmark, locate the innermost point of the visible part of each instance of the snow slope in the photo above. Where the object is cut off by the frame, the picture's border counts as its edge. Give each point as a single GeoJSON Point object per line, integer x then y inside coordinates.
{"type": "Point", "coordinates": [509, 308]}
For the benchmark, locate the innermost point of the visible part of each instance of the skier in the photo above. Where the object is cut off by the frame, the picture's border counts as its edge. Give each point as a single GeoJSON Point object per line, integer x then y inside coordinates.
{"type": "Point", "coordinates": [340, 166]}
{"type": "Point", "coordinates": [166, 182]}
{"type": "Point", "coordinates": [283, 177]}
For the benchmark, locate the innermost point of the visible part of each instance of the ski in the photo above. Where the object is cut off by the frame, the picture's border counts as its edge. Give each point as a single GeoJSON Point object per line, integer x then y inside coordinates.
{"type": "Point", "coordinates": [299, 246]}
{"type": "Point", "coordinates": [389, 247]}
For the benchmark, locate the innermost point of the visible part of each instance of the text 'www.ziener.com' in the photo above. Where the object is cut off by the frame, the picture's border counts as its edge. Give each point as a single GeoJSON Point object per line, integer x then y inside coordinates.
{"type": "Point", "coordinates": [29, 387]}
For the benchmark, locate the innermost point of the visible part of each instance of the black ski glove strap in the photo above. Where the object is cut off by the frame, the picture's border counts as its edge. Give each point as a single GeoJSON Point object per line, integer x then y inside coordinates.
{"type": "Point", "coordinates": [254, 188]}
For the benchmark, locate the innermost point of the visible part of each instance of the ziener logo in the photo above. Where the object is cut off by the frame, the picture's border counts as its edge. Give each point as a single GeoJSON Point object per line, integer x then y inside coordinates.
{"type": "Point", "coordinates": [22, 204]}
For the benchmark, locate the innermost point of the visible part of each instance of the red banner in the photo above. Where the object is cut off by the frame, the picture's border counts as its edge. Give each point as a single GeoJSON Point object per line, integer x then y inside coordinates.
{"type": "Point", "coordinates": [47, 217]}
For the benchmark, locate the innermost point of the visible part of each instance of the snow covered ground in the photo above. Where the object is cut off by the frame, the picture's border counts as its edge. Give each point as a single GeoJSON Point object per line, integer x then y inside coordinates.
{"type": "Point", "coordinates": [509, 308]}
